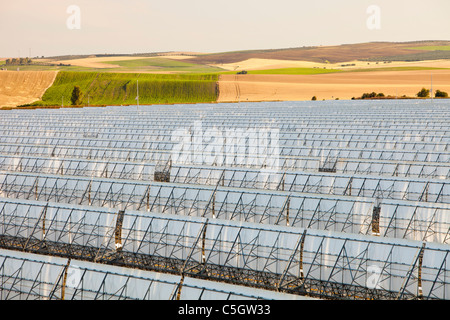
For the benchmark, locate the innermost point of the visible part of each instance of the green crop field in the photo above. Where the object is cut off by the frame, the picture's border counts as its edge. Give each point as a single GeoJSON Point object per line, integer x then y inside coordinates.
{"type": "Point", "coordinates": [312, 71]}
{"type": "Point", "coordinates": [421, 56]}
{"type": "Point", "coordinates": [300, 71]}
{"type": "Point", "coordinates": [432, 48]}
{"type": "Point", "coordinates": [121, 88]}
{"type": "Point", "coordinates": [393, 69]}
{"type": "Point", "coordinates": [292, 71]}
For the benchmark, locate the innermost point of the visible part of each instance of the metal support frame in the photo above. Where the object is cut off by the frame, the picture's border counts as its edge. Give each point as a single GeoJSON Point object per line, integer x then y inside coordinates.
{"type": "Point", "coordinates": [248, 258]}
{"type": "Point", "coordinates": [91, 187]}
{"type": "Point", "coordinates": [427, 220]}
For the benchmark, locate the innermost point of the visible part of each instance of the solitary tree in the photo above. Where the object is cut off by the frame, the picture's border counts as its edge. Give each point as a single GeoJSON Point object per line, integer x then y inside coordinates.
{"type": "Point", "coordinates": [441, 94]}
{"type": "Point", "coordinates": [76, 96]}
{"type": "Point", "coordinates": [424, 93]}
{"type": "Point", "coordinates": [314, 98]}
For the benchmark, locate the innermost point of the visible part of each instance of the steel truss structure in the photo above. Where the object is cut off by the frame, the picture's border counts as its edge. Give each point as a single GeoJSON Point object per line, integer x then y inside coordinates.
{"type": "Point", "coordinates": [258, 201]}
{"type": "Point", "coordinates": [416, 146]}
{"type": "Point", "coordinates": [298, 146]}
{"type": "Point", "coordinates": [40, 277]}
{"type": "Point", "coordinates": [417, 220]}
{"type": "Point", "coordinates": [292, 260]}
{"type": "Point", "coordinates": [309, 163]}
{"type": "Point", "coordinates": [428, 190]}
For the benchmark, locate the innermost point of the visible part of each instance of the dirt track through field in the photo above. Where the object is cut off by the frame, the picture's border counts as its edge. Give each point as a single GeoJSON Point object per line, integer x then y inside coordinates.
{"type": "Point", "coordinates": [22, 87]}
{"type": "Point", "coordinates": [329, 86]}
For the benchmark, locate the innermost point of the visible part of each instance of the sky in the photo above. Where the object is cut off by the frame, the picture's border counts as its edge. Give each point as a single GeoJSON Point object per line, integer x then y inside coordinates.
{"type": "Point", "coordinates": [63, 27]}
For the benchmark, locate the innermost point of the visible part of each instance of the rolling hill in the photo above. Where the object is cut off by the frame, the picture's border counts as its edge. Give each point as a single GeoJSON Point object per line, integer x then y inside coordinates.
{"type": "Point", "coordinates": [397, 68]}
{"type": "Point", "coordinates": [332, 54]}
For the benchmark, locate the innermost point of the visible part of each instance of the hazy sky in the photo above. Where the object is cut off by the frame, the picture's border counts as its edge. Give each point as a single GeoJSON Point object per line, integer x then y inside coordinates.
{"type": "Point", "coordinates": [137, 26]}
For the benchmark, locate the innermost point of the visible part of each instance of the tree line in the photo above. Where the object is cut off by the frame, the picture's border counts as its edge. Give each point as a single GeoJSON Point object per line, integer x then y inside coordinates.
{"type": "Point", "coordinates": [17, 61]}
{"type": "Point", "coordinates": [423, 93]}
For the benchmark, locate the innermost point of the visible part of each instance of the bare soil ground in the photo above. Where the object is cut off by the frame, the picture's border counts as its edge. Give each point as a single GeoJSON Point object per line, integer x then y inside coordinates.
{"type": "Point", "coordinates": [329, 86]}
{"type": "Point", "coordinates": [22, 87]}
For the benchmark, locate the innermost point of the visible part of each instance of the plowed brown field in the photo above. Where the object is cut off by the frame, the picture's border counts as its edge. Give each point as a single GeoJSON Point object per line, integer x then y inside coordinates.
{"type": "Point", "coordinates": [254, 87]}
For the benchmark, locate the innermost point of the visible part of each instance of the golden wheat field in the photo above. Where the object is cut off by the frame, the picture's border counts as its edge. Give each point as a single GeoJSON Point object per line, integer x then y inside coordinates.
{"type": "Point", "coordinates": [21, 87]}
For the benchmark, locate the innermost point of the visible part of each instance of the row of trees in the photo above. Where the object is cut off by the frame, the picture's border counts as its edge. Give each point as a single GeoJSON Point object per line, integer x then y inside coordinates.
{"type": "Point", "coordinates": [17, 61]}
{"type": "Point", "coordinates": [372, 95]}
{"type": "Point", "coordinates": [425, 93]}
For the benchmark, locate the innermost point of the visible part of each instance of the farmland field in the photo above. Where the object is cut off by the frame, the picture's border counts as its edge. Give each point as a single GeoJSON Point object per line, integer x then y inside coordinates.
{"type": "Point", "coordinates": [327, 72]}
{"type": "Point", "coordinates": [305, 71]}
{"type": "Point", "coordinates": [162, 65]}
{"type": "Point", "coordinates": [121, 88]}
{"type": "Point", "coordinates": [23, 87]}
{"type": "Point", "coordinates": [432, 48]}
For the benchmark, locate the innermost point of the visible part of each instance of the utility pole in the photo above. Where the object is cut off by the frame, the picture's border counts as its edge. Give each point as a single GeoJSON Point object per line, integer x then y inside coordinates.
{"type": "Point", "coordinates": [137, 92]}
{"type": "Point", "coordinates": [431, 91]}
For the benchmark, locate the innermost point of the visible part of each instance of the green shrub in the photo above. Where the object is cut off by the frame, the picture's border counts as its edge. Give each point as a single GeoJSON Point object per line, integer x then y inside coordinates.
{"type": "Point", "coordinates": [441, 94]}
{"type": "Point", "coordinates": [369, 95]}
{"type": "Point", "coordinates": [424, 93]}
